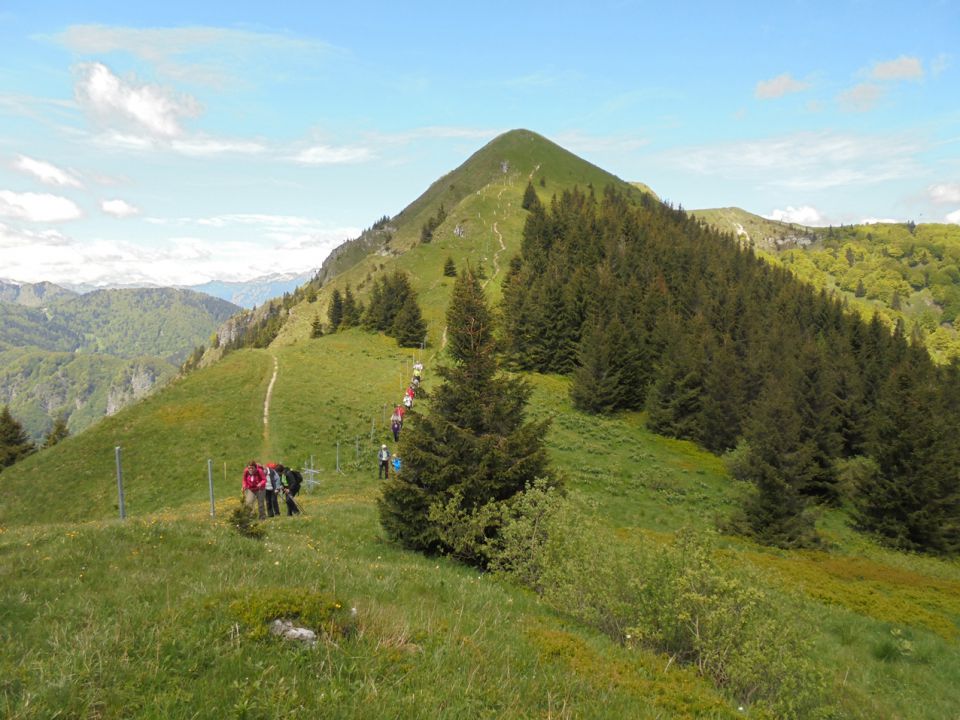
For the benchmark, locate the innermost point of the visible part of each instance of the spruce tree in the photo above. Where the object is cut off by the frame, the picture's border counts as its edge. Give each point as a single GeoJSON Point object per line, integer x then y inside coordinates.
{"type": "Point", "coordinates": [15, 444]}
{"type": "Point", "coordinates": [408, 327]}
{"type": "Point", "coordinates": [57, 433]}
{"type": "Point", "coordinates": [351, 309]}
{"type": "Point", "coordinates": [449, 268]}
{"type": "Point", "coordinates": [529, 197]}
{"type": "Point", "coordinates": [474, 447]}
{"type": "Point", "coordinates": [775, 463]}
{"type": "Point", "coordinates": [316, 327]}
{"type": "Point", "coordinates": [335, 311]}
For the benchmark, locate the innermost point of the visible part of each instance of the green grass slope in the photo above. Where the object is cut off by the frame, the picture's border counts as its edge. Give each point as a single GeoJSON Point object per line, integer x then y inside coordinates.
{"type": "Point", "coordinates": [152, 617]}
{"type": "Point", "coordinates": [757, 231]}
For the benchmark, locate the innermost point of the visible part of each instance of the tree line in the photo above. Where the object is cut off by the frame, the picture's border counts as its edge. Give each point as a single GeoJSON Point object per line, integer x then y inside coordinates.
{"type": "Point", "coordinates": [648, 309]}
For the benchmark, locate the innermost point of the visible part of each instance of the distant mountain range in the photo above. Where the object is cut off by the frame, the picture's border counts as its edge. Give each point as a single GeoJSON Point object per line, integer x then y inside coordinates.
{"type": "Point", "coordinates": [84, 356]}
{"type": "Point", "coordinates": [245, 293]}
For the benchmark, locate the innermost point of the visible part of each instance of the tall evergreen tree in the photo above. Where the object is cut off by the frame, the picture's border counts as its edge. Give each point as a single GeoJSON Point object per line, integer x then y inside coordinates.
{"type": "Point", "coordinates": [775, 462]}
{"type": "Point", "coordinates": [529, 197]}
{"type": "Point", "coordinates": [351, 309]}
{"type": "Point", "coordinates": [335, 311]}
{"type": "Point", "coordinates": [316, 327]}
{"type": "Point", "coordinates": [57, 433]}
{"type": "Point", "coordinates": [408, 327]}
{"type": "Point", "coordinates": [474, 447]}
{"type": "Point", "coordinates": [15, 444]}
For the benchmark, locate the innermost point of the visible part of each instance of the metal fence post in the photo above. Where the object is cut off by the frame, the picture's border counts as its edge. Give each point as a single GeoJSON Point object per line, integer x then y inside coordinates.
{"type": "Point", "coordinates": [123, 509]}
{"type": "Point", "coordinates": [210, 480]}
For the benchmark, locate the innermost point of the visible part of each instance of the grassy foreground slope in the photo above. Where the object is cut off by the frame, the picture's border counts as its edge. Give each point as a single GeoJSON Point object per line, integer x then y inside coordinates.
{"type": "Point", "coordinates": [152, 617]}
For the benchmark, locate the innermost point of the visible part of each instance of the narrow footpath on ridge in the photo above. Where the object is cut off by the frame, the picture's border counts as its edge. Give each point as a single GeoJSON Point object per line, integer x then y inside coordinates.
{"type": "Point", "coordinates": [266, 400]}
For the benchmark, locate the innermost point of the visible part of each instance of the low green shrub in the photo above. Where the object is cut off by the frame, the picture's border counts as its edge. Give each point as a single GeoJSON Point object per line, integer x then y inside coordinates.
{"type": "Point", "coordinates": [317, 611]}
{"type": "Point", "coordinates": [678, 599]}
{"type": "Point", "coordinates": [244, 520]}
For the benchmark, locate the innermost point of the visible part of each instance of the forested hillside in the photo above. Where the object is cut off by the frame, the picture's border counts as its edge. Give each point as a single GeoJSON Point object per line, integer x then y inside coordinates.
{"type": "Point", "coordinates": [81, 357]}
{"type": "Point", "coordinates": [649, 309]}
{"type": "Point", "coordinates": [906, 273]}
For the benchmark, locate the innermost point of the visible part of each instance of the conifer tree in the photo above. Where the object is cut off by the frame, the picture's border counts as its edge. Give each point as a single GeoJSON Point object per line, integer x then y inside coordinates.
{"type": "Point", "coordinates": [596, 381]}
{"type": "Point", "coordinates": [335, 311]}
{"type": "Point", "coordinates": [529, 197]}
{"type": "Point", "coordinates": [351, 309]}
{"type": "Point", "coordinates": [474, 447]}
{"type": "Point", "coordinates": [774, 462]}
{"type": "Point", "coordinates": [449, 268]}
{"type": "Point", "coordinates": [57, 433]}
{"type": "Point", "coordinates": [15, 444]}
{"type": "Point", "coordinates": [316, 327]}
{"type": "Point", "coordinates": [408, 327]}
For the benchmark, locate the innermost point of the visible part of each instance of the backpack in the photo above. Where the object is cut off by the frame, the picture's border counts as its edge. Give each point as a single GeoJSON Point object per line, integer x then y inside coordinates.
{"type": "Point", "coordinates": [295, 479]}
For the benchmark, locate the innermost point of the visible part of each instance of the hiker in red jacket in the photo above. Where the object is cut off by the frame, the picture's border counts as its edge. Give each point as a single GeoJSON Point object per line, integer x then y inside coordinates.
{"type": "Point", "coordinates": [255, 487]}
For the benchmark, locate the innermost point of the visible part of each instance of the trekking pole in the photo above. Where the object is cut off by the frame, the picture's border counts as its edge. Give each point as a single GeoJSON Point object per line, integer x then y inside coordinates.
{"type": "Point", "coordinates": [358, 447]}
{"type": "Point", "coordinates": [210, 480]}
{"type": "Point", "coordinates": [372, 422]}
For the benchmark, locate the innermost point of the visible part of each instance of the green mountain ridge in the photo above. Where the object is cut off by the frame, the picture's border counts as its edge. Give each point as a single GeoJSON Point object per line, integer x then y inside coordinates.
{"type": "Point", "coordinates": [429, 637]}
{"type": "Point", "coordinates": [907, 273]}
{"type": "Point", "coordinates": [85, 356]}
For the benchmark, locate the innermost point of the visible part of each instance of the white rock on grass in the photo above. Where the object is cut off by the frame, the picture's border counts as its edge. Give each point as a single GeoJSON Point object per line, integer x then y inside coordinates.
{"type": "Point", "coordinates": [289, 631]}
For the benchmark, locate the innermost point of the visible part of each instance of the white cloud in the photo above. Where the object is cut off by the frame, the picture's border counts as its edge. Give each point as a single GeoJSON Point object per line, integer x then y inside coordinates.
{"type": "Point", "coordinates": [803, 215]}
{"type": "Point", "coordinates": [37, 207]}
{"type": "Point", "coordinates": [779, 86]}
{"type": "Point", "coordinates": [807, 160]}
{"type": "Point", "coordinates": [173, 51]}
{"type": "Point", "coordinates": [944, 193]}
{"type": "Point", "coordinates": [953, 217]}
{"type": "Point", "coordinates": [327, 155]}
{"type": "Point", "coordinates": [119, 208]}
{"type": "Point", "coordinates": [130, 104]}
{"type": "Point", "coordinates": [31, 240]}
{"type": "Point", "coordinates": [46, 172]}
{"type": "Point", "coordinates": [903, 68]}
{"type": "Point", "coordinates": [204, 146]}
{"type": "Point", "coordinates": [860, 98]}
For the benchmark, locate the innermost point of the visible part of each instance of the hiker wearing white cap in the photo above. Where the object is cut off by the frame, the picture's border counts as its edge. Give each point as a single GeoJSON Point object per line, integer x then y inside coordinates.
{"type": "Point", "coordinates": [384, 457]}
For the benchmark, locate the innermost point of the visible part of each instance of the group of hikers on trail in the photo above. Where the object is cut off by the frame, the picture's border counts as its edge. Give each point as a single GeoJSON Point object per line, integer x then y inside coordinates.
{"type": "Point", "coordinates": [263, 486]}
{"type": "Point", "coordinates": [386, 460]}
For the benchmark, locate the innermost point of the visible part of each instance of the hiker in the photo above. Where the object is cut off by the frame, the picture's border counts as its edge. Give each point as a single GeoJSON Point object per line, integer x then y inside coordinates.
{"type": "Point", "coordinates": [384, 457]}
{"type": "Point", "coordinates": [407, 401]}
{"type": "Point", "coordinates": [272, 491]}
{"type": "Point", "coordinates": [417, 370]}
{"type": "Point", "coordinates": [399, 413]}
{"type": "Point", "coordinates": [410, 391]}
{"type": "Point", "coordinates": [290, 481]}
{"type": "Point", "coordinates": [395, 425]}
{"type": "Point", "coordinates": [396, 464]}
{"type": "Point", "coordinates": [254, 487]}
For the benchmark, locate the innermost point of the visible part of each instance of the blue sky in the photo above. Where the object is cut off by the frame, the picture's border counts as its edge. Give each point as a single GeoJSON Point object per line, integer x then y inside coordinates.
{"type": "Point", "coordinates": [184, 142]}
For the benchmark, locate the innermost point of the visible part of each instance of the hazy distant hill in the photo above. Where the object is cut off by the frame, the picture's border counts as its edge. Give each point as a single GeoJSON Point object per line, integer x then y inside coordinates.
{"type": "Point", "coordinates": [84, 356]}
{"type": "Point", "coordinates": [250, 293]}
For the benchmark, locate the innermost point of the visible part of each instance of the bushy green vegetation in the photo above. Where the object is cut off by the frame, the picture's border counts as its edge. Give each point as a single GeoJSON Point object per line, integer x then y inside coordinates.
{"type": "Point", "coordinates": [908, 273]}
